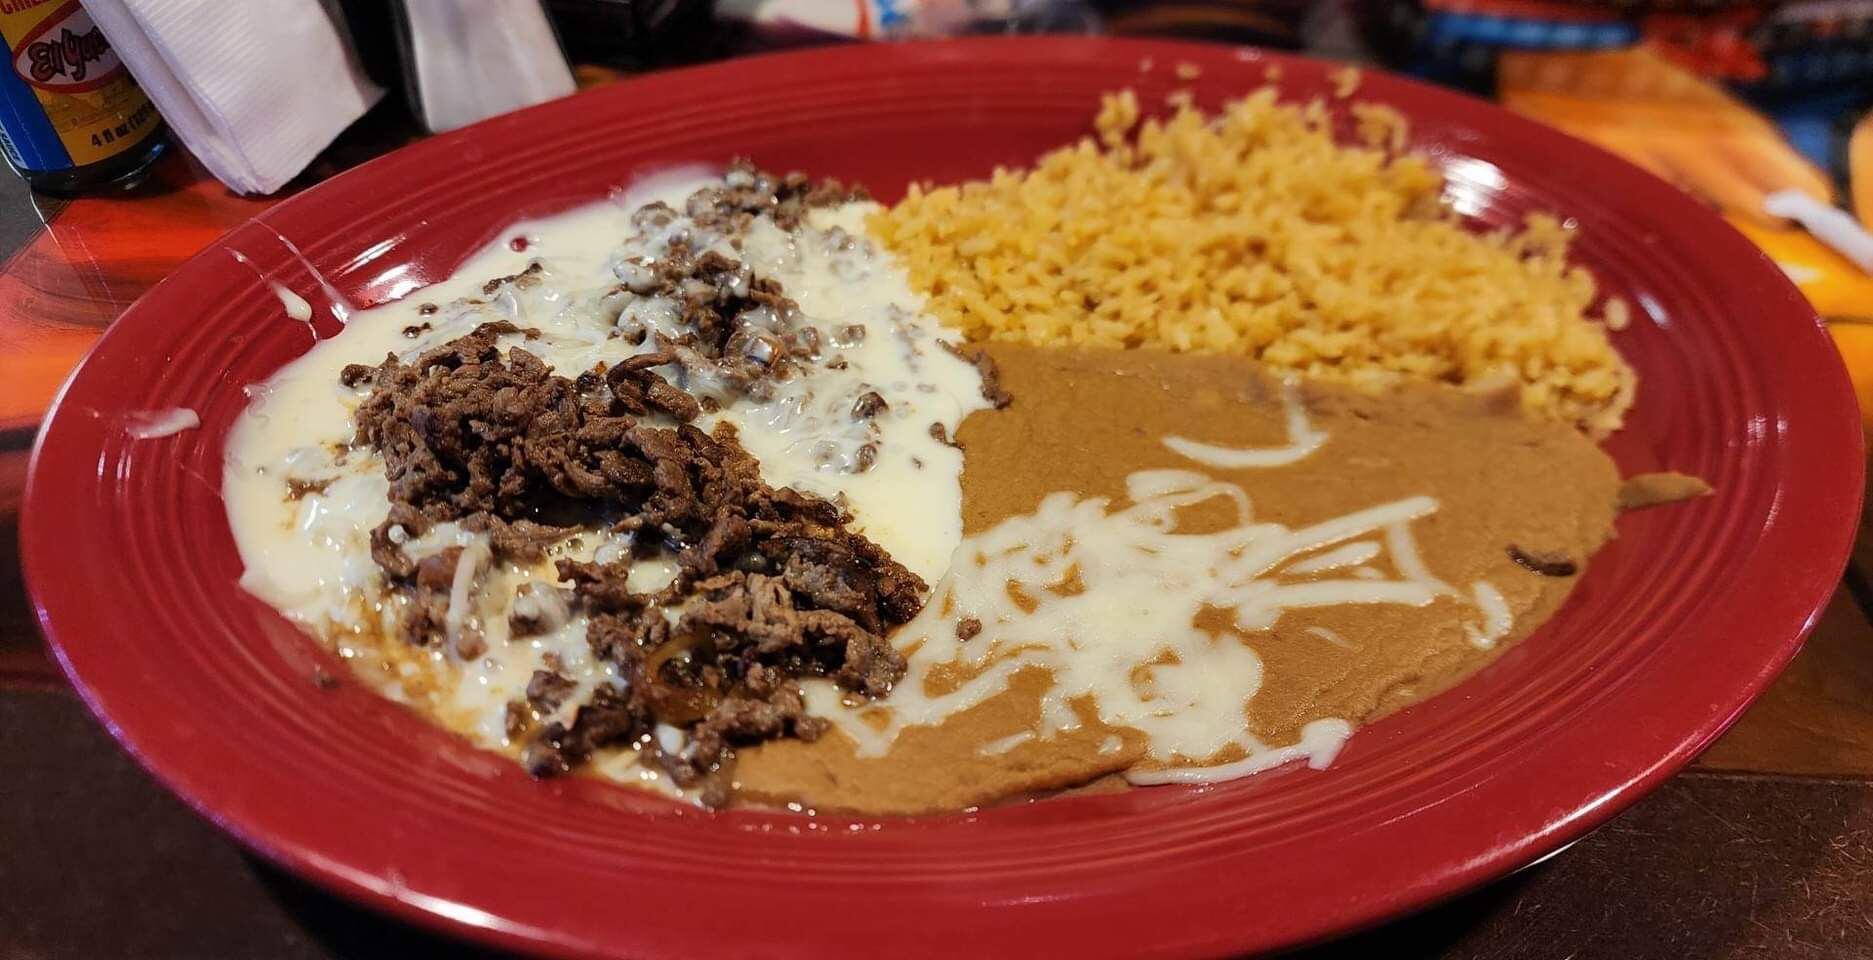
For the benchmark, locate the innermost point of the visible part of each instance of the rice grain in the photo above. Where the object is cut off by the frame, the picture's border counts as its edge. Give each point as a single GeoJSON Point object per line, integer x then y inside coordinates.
{"type": "Point", "coordinates": [1256, 233]}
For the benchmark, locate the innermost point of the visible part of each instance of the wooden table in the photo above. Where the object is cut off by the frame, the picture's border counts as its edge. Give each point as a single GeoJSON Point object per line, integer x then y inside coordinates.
{"type": "Point", "coordinates": [1763, 849]}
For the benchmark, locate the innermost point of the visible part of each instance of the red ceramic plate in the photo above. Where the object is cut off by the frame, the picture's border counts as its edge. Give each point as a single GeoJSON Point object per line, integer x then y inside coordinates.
{"type": "Point", "coordinates": [1678, 624]}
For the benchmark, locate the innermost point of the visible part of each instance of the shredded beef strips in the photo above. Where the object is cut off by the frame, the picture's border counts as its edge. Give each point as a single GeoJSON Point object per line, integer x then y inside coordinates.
{"type": "Point", "coordinates": [772, 585]}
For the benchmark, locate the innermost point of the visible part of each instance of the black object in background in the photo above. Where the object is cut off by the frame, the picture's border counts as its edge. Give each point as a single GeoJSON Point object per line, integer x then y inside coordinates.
{"type": "Point", "coordinates": [635, 34]}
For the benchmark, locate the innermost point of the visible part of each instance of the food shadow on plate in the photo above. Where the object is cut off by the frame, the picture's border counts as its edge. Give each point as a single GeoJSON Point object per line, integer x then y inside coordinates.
{"type": "Point", "coordinates": [349, 932]}
{"type": "Point", "coordinates": [1697, 833]}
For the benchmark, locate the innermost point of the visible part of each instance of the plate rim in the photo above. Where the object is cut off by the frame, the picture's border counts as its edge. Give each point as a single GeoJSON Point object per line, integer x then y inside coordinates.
{"type": "Point", "coordinates": [36, 538]}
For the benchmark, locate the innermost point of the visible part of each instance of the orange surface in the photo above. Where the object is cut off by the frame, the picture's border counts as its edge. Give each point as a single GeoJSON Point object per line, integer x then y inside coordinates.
{"type": "Point", "coordinates": [93, 259]}
{"type": "Point", "coordinates": [1860, 168]}
{"type": "Point", "coordinates": [1855, 341]}
{"type": "Point", "coordinates": [1651, 111]}
{"type": "Point", "coordinates": [1831, 282]}
{"type": "Point", "coordinates": [98, 254]}
{"type": "Point", "coordinates": [1685, 129]}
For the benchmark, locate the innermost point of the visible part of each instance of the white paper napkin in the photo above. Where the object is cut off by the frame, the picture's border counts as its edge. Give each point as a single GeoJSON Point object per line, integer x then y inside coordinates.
{"type": "Point", "coordinates": [471, 61]}
{"type": "Point", "coordinates": [254, 88]}
{"type": "Point", "coordinates": [1829, 224]}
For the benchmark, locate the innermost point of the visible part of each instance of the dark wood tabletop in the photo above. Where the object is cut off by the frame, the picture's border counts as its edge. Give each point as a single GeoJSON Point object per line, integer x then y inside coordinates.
{"type": "Point", "coordinates": [1763, 849]}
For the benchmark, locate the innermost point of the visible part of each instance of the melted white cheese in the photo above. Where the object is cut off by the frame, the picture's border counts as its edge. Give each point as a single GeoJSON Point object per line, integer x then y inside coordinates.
{"type": "Point", "coordinates": [1107, 602]}
{"type": "Point", "coordinates": [1331, 636]}
{"type": "Point", "coordinates": [1303, 439]}
{"type": "Point", "coordinates": [1349, 555]}
{"type": "Point", "coordinates": [295, 305]}
{"type": "Point", "coordinates": [1497, 618]}
{"type": "Point", "coordinates": [910, 500]}
{"type": "Point", "coordinates": [310, 557]}
{"type": "Point", "coordinates": [151, 424]}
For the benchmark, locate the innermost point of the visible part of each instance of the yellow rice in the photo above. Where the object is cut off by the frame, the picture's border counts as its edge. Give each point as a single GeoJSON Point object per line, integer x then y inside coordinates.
{"type": "Point", "coordinates": [1255, 233]}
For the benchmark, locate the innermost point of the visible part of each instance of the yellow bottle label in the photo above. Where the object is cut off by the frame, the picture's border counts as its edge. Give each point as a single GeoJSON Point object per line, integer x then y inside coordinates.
{"type": "Point", "coordinates": [94, 106]}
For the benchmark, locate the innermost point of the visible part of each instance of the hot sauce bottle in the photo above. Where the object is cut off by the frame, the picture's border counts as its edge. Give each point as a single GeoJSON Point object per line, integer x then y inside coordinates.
{"type": "Point", "coordinates": [72, 119]}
